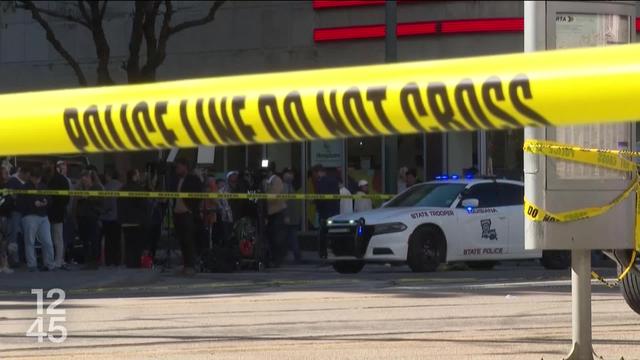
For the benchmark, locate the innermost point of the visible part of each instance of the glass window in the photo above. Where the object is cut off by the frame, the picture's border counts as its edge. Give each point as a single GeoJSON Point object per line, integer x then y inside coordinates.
{"type": "Point", "coordinates": [254, 156]}
{"type": "Point", "coordinates": [511, 194]}
{"type": "Point", "coordinates": [434, 148]}
{"type": "Point", "coordinates": [486, 193]}
{"type": "Point", "coordinates": [364, 162]}
{"type": "Point", "coordinates": [404, 153]}
{"type": "Point", "coordinates": [504, 154]}
{"type": "Point", "coordinates": [431, 195]}
{"type": "Point", "coordinates": [236, 157]}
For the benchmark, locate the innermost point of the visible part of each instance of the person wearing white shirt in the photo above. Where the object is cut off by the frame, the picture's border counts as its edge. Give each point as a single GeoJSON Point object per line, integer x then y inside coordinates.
{"type": "Point", "coordinates": [346, 205]}
{"type": "Point", "coordinates": [361, 205]}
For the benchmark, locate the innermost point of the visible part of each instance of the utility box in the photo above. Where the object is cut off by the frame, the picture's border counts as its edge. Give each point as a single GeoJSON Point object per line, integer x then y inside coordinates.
{"type": "Point", "coordinates": [557, 185]}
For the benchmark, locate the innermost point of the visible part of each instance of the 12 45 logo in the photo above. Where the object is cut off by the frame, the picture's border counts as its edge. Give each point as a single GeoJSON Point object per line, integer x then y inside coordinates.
{"type": "Point", "coordinates": [56, 331]}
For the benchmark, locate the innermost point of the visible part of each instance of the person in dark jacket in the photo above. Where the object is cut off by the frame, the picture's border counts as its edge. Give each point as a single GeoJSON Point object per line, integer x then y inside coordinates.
{"type": "Point", "coordinates": [326, 208]}
{"type": "Point", "coordinates": [58, 210]}
{"type": "Point", "coordinates": [88, 210]}
{"type": "Point", "coordinates": [329, 185]}
{"type": "Point", "coordinates": [132, 214]}
{"type": "Point", "coordinates": [5, 212]}
{"type": "Point", "coordinates": [185, 212]}
{"type": "Point", "coordinates": [35, 223]}
{"type": "Point", "coordinates": [14, 226]}
{"type": "Point", "coordinates": [109, 219]}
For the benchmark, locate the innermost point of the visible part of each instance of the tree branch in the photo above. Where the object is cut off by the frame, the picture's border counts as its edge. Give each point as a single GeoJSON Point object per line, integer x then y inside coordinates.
{"type": "Point", "coordinates": [51, 13]}
{"type": "Point", "coordinates": [149, 27]}
{"type": "Point", "coordinates": [198, 22]}
{"type": "Point", "coordinates": [103, 10]}
{"type": "Point", "coordinates": [103, 52]}
{"type": "Point", "coordinates": [83, 11]}
{"type": "Point", "coordinates": [135, 43]}
{"type": "Point", "coordinates": [51, 37]}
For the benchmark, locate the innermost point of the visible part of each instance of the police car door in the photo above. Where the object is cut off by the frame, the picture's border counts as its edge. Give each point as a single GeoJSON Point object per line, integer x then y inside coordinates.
{"type": "Point", "coordinates": [485, 228]}
{"type": "Point", "coordinates": [512, 201]}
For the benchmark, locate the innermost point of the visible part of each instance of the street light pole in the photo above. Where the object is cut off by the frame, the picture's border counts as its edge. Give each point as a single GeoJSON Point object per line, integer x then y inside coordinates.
{"type": "Point", "coordinates": [390, 143]}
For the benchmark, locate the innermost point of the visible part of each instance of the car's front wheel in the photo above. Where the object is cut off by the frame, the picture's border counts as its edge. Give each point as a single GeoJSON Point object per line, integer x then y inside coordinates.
{"type": "Point", "coordinates": [427, 249]}
{"type": "Point", "coordinates": [348, 267]}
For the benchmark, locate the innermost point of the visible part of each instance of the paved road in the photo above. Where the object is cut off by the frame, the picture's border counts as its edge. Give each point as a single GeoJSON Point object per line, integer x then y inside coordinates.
{"type": "Point", "coordinates": [513, 312]}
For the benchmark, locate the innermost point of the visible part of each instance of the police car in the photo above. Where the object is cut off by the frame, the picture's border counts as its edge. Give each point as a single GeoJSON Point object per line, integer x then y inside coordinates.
{"type": "Point", "coordinates": [452, 219]}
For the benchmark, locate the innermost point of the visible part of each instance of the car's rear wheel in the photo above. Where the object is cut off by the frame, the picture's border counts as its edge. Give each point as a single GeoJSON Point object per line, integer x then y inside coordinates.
{"type": "Point", "coordinates": [427, 249]}
{"type": "Point", "coordinates": [348, 267]}
{"type": "Point", "coordinates": [630, 284]}
{"type": "Point", "coordinates": [481, 265]}
{"type": "Point", "coordinates": [556, 259]}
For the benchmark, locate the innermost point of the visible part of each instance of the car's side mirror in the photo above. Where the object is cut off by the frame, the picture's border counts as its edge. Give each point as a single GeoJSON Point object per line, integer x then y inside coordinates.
{"type": "Point", "coordinates": [470, 203]}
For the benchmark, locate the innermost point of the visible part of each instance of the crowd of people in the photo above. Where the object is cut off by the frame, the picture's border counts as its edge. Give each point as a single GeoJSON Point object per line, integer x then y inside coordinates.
{"type": "Point", "coordinates": [117, 231]}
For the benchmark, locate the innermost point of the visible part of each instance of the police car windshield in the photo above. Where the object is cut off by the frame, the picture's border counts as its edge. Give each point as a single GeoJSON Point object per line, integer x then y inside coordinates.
{"type": "Point", "coordinates": [431, 195]}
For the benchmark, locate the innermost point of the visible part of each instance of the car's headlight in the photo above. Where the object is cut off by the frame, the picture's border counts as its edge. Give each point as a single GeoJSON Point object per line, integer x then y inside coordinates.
{"type": "Point", "coordinates": [389, 228]}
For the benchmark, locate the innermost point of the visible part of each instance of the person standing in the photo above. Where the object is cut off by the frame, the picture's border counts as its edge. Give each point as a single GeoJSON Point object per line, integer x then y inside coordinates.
{"type": "Point", "coordinates": [185, 212]}
{"type": "Point", "coordinates": [346, 205]}
{"type": "Point", "coordinates": [35, 223]}
{"type": "Point", "coordinates": [328, 185]}
{"type": "Point", "coordinates": [5, 212]}
{"type": "Point", "coordinates": [58, 211]}
{"type": "Point", "coordinates": [275, 211]}
{"type": "Point", "coordinates": [276, 231]}
{"type": "Point", "coordinates": [411, 177]}
{"type": "Point", "coordinates": [402, 179]}
{"type": "Point", "coordinates": [293, 217]}
{"type": "Point", "coordinates": [88, 210]}
{"type": "Point", "coordinates": [14, 227]}
{"type": "Point", "coordinates": [210, 209]}
{"type": "Point", "coordinates": [361, 205]}
{"type": "Point", "coordinates": [109, 218]}
{"type": "Point", "coordinates": [226, 211]}
{"type": "Point", "coordinates": [132, 213]}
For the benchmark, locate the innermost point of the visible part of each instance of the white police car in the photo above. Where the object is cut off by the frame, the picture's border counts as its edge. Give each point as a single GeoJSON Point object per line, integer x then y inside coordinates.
{"type": "Point", "coordinates": [477, 221]}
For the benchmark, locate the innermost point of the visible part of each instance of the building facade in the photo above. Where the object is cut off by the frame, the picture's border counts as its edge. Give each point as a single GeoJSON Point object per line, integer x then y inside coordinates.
{"type": "Point", "coordinates": [269, 36]}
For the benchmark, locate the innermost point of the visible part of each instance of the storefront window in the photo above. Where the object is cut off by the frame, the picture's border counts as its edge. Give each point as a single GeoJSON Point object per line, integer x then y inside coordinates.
{"type": "Point", "coordinates": [255, 156]}
{"type": "Point", "coordinates": [329, 154]}
{"type": "Point", "coordinates": [236, 157]}
{"type": "Point", "coordinates": [364, 162]}
{"type": "Point", "coordinates": [287, 156]}
{"type": "Point", "coordinates": [434, 154]}
{"type": "Point", "coordinates": [409, 155]}
{"type": "Point", "coordinates": [504, 154]}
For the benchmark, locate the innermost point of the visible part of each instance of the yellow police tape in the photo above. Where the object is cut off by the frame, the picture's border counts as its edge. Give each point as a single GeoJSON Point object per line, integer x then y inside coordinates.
{"type": "Point", "coordinates": [552, 88]}
{"type": "Point", "coordinates": [618, 160]}
{"type": "Point", "coordinates": [188, 195]}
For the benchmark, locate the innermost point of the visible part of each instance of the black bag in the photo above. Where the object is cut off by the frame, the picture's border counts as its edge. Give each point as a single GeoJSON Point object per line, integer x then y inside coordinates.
{"type": "Point", "coordinates": [219, 259]}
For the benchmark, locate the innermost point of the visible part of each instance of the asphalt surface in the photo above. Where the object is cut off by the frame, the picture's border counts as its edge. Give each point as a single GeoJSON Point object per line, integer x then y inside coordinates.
{"type": "Point", "coordinates": [517, 311]}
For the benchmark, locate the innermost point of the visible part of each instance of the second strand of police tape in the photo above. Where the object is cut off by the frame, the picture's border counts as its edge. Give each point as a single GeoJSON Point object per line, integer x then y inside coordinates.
{"type": "Point", "coordinates": [200, 195]}
{"type": "Point", "coordinates": [618, 160]}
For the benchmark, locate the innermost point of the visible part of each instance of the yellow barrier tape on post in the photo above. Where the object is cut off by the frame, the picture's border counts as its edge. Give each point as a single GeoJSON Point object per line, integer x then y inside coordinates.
{"type": "Point", "coordinates": [551, 88]}
{"type": "Point", "coordinates": [610, 159]}
{"type": "Point", "coordinates": [202, 195]}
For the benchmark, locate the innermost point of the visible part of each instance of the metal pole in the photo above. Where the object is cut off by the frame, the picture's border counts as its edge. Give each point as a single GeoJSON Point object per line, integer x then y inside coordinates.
{"type": "Point", "coordinates": [390, 40]}
{"type": "Point", "coordinates": [389, 144]}
{"type": "Point", "coordinates": [581, 305]}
